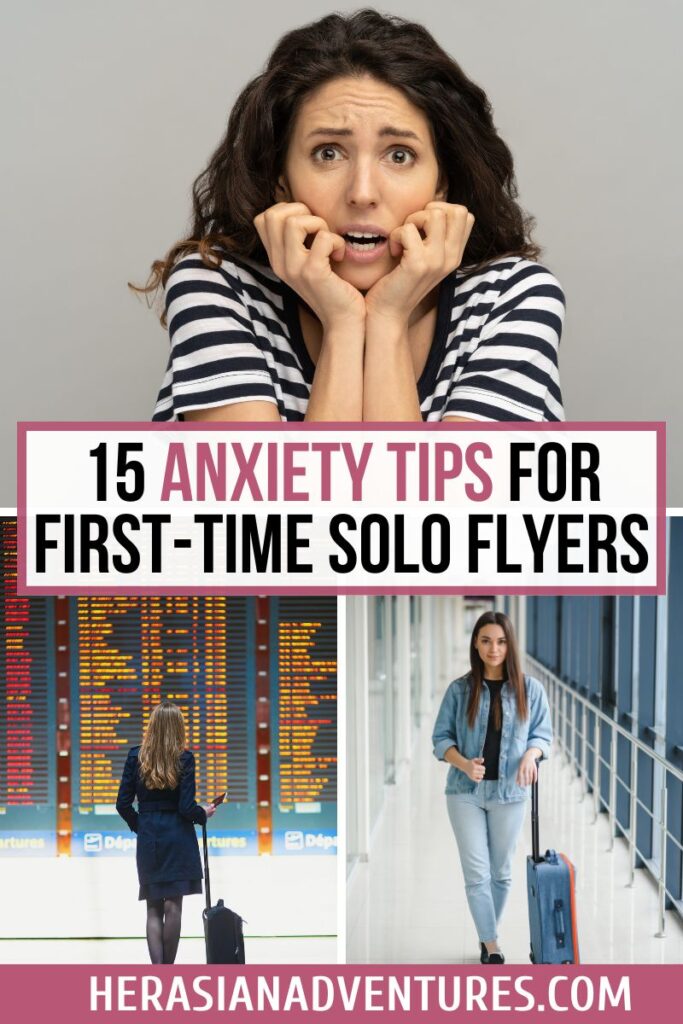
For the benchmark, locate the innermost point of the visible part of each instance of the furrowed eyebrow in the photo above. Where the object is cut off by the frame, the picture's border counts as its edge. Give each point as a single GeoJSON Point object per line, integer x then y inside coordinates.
{"type": "Point", "coordinates": [397, 133]}
{"type": "Point", "coordinates": [400, 133]}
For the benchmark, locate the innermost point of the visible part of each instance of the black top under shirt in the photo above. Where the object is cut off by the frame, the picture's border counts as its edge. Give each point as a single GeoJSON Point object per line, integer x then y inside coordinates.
{"type": "Point", "coordinates": [492, 742]}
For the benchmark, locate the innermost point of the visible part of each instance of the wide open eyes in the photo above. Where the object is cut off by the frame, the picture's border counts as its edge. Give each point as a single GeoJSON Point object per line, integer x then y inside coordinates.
{"type": "Point", "coordinates": [326, 154]}
{"type": "Point", "coordinates": [399, 156]}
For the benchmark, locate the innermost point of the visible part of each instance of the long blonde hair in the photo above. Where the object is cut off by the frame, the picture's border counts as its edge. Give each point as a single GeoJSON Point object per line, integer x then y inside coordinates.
{"type": "Point", "coordinates": [162, 746]}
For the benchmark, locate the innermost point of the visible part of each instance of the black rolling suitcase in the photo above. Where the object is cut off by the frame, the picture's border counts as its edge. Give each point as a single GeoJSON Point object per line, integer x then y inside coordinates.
{"type": "Point", "coordinates": [222, 926]}
{"type": "Point", "coordinates": [552, 901]}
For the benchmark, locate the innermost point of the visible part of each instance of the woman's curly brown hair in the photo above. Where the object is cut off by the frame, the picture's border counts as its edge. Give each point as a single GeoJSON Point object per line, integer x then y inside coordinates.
{"type": "Point", "coordinates": [240, 179]}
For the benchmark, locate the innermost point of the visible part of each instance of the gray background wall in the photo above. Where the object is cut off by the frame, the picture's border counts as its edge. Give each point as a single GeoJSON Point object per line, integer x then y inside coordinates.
{"type": "Point", "coordinates": [110, 110]}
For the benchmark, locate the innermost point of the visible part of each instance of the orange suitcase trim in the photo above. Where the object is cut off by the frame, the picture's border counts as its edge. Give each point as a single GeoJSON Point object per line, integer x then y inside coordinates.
{"type": "Point", "coordinates": [572, 907]}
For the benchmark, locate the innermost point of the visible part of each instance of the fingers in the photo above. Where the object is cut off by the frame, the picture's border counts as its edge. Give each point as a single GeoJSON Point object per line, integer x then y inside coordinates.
{"type": "Point", "coordinates": [405, 238]}
{"type": "Point", "coordinates": [527, 773]}
{"type": "Point", "coordinates": [443, 230]}
{"type": "Point", "coordinates": [464, 237]}
{"type": "Point", "coordinates": [432, 222]}
{"type": "Point", "coordinates": [326, 246]}
{"type": "Point", "coordinates": [269, 223]}
{"type": "Point", "coordinates": [290, 247]}
{"type": "Point", "coordinates": [283, 229]}
{"type": "Point", "coordinates": [279, 211]}
{"type": "Point", "coordinates": [459, 224]}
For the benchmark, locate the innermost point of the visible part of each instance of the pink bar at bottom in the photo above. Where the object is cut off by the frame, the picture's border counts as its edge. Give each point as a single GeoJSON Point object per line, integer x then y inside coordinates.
{"type": "Point", "coordinates": [80, 994]}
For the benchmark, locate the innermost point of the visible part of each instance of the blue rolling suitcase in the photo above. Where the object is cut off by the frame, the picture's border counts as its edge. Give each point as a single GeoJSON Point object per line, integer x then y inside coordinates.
{"type": "Point", "coordinates": [222, 927]}
{"type": "Point", "coordinates": [552, 901]}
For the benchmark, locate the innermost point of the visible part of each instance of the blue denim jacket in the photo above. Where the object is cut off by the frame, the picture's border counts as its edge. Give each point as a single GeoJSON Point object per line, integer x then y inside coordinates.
{"type": "Point", "coordinates": [451, 730]}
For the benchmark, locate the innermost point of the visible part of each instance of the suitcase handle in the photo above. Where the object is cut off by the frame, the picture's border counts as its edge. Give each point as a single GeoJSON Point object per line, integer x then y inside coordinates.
{"type": "Point", "coordinates": [207, 879]}
{"type": "Point", "coordinates": [535, 845]}
{"type": "Point", "coordinates": [560, 930]}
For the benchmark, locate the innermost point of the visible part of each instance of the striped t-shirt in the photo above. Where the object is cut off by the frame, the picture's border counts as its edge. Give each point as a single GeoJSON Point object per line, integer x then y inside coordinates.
{"type": "Point", "coordinates": [236, 337]}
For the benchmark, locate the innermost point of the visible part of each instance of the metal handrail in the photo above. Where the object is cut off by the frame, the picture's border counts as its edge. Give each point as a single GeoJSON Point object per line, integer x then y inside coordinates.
{"type": "Point", "coordinates": [568, 733]}
{"type": "Point", "coordinates": [671, 768]}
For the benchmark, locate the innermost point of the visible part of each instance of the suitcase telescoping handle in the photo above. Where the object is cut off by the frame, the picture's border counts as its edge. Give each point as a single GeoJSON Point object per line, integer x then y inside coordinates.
{"type": "Point", "coordinates": [535, 845]}
{"type": "Point", "coordinates": [207, 879]}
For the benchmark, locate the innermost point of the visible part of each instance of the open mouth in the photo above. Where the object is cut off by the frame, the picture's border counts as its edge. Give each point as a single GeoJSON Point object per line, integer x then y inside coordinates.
{"type": "Point", "coordinates": [361, 242]}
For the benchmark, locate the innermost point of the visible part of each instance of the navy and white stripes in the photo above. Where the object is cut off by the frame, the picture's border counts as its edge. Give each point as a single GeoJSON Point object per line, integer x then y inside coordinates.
{"type": "Point", "coordinates": [500, 358]}
{"type": "Point", "coordinates": [236, 337]}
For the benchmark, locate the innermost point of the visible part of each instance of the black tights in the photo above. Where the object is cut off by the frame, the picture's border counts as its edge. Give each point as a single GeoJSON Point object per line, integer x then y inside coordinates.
{"type": "Point", "coordinates": [163, 928]}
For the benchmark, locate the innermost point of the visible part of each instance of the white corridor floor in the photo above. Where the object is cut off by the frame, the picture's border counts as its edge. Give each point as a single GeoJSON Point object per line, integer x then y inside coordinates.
{"type": "Point", "coordinates": [408, 905]}
{"type": "Point", "coordinates": [270, 950]}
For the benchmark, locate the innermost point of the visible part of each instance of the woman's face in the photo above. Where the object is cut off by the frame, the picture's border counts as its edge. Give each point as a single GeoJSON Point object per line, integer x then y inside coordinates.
{"type": "Point", "coordinates": [361, 157]}
{"type": "Point", "coordinates": [492, 648]}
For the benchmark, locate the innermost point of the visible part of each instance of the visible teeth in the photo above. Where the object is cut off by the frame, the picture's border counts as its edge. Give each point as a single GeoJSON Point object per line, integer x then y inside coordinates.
{"type": "Point", "coordinates": [362, 241]}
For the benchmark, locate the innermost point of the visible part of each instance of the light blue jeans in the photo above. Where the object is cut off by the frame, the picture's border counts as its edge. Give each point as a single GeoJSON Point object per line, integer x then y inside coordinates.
{"type": "Point", "coordinates": [486, 831]}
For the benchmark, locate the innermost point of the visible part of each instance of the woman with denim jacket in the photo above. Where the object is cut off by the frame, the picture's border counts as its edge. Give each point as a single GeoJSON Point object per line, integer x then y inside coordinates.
{"type": "Point", "coordinates": [492, 726]}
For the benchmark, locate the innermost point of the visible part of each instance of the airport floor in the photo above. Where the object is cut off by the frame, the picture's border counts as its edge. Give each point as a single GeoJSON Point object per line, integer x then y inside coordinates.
{"type": "Point", "coordinates": [407, 904]}
{"type": "Point", "coordinates": [279, 896]}
{"type": "Point", "coordinates": [278, 950]}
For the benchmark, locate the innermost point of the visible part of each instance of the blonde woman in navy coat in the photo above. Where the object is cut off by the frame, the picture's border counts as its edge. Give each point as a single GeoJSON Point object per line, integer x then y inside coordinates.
{"type": "Point", "coordinates": [159, 774]}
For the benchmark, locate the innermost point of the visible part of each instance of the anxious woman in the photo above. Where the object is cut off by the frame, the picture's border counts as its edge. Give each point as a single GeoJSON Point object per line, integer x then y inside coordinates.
{"type": "Point", "coordinates": [357, 251]}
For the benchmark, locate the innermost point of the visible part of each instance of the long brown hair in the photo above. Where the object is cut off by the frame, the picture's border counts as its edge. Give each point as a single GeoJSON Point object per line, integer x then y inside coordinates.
{"type": "Point", "coordinates": [513, 669]}
{"type": "Point", "coordinates": [164, 742]}
{"type": "Point", "coordinates": [240, 179]}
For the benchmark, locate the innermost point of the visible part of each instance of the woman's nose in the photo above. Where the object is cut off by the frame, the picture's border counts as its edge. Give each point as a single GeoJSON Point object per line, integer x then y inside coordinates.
{"type": "Point", "coordinates": [362, 188]}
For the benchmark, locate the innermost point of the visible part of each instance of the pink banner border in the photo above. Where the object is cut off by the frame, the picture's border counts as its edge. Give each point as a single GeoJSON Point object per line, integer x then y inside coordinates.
{"type": "Point", "coordinates": [659, 428]}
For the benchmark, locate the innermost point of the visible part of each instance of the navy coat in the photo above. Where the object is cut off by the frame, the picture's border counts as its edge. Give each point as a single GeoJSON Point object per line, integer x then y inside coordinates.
{"type": "Point", "coordinates": [167, 848]}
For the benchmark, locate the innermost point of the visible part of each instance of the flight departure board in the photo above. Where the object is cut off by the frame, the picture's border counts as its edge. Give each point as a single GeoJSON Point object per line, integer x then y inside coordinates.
{"type": "Point", "coordinates": [304, 723]}
{"type": "Point", "coordinates": [255, 678]}
{"type": "Point", "coordinates": [27, 713]}
{"type": "Point", "coordinates": [134, 652]}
